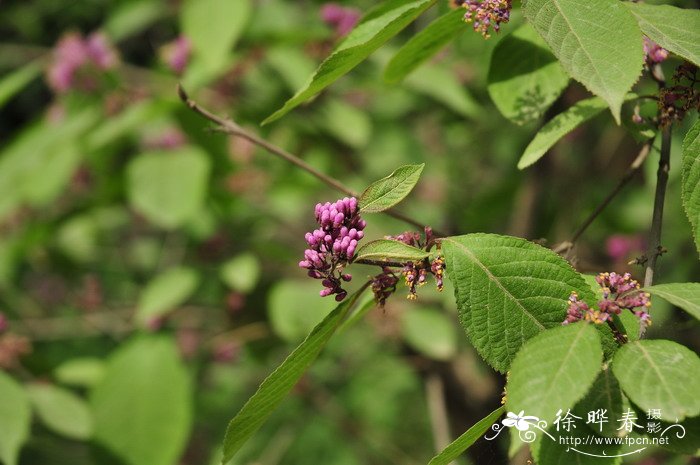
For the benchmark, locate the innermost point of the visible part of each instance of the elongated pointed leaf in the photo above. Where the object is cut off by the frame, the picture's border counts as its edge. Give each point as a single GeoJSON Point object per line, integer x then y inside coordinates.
{"type": "Point", "coordinates": [660, 375]}
{"type": "Point", "coordinates": [380, 25]}
{"type": "Point", "coordinates": [691, 180]}
{"type": "Point", "coordinates": [462, 443]}
{"type": "Point", "coordinates": [275, 388]}
{"type": "Point", "coordinates": [61, 410]}
{"type": "Point", "coordinates": [15, 416]}
{"type": "Point", "coordinates": [682, 295]}
{"type": "Point", "coordinates": [508, 290]}
{"type": "Point", "coordinates": [425, 44]}
{"type": "Point", "coordinates": [18, 79]}
{"type": "Point", "coordinates": [383, 194]}
{"type": "Point", "coordinates": [525, 78]}
{"type": "Point", "coordinates": [675, 29]}
{"type": "Point", "coordinates": [598, 42]}
{"type": "Point", "coordinates": [554, 370]}
{"type": "Point", "coordinates": [391, 251]}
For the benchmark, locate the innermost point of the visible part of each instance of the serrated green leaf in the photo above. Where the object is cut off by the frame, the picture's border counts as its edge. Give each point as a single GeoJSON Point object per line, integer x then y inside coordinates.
{"type": "Point", "coordinates": [598, 42]}
{"type": "Point", "coordinates": [425, 44]}
{"type": "Point", "coordinates": [241, 273]}
{"type": "Point", "coordinates": [275, 387]}
{"type": "Point", "coordinates": [691, 180]}
{"type": "Point", "coordinates": [605, 394]}
{"type": "Point", "coordinates": [554, 370]}
{"type": "Point", "coordinates": [143, 406]}
{"type": "Point", "coordinates": [15, 417]}
{"type": "Point", "coordinates": [430, 332]}
{"type": "Point", "coordinates": [524, 77]}
{"type": "Point", "coordinates": [385, 193]}
{"type": "Point", "coordinates": [682, 295]}
{"type": "Point", "coordinates": [61, 410]}
{"type": "Point", "coordinates": [377, 27]}
{"type": "Point", "coordinates": [660, 374]}
{"type": "Point", "coordinates": [558, 127]}
{"type": "Point", "coordinates": [390, 251]}
{"type": "Point", "coordinates": [508, 290]}
{"type": "Point", "coordinates": [169, 187]}
{"type": "Point", "coordinates": [469, 437]}
{"type": "Point", "coordinates": [165, 292]}
{"type": "Point", "coordinates": [675, 29]}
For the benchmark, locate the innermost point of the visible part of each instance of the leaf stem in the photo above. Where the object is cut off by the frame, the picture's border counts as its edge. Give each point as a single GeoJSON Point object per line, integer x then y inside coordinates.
{"type": "Point", "coordinates": [232, 128]}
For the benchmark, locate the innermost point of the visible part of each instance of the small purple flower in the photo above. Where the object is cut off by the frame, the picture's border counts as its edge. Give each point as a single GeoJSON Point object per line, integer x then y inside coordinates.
{"type": "Point", "coordinates": [653, 52]}
{"type": "Point", "coordinates": [383, 285]}
{"type": "Point", "coordinates": [342, 19]}
{"type": "Point", "coordinates": [486, 14]}
{"type": "Point", "coordinates": [177, 53]}
{"type": "Point", "coordinates": [100, 51]}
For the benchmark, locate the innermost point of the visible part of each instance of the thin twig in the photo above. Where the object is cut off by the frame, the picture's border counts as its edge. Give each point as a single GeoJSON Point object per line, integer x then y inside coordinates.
{"type": "Point", "coordinates": [230, 127]}
{"type": "Point", "coordinates": [631, 171]}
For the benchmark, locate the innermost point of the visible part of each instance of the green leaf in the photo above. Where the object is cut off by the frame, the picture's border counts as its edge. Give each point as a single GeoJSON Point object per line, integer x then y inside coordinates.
{"type": "Point", "coordinates": [143, 406]}
{"type": "Point", "coordinates": [508, 290]}
{"type": "Point", "coordinates": [377, 27]}
{"type": "Point", "coordinates": [390, 251]}
{"type": "Point", "coordinates": [294, 308]}
{"type": "Point", "coordinates": [129, 18]}
{"type": "Point", "coordinates": [241, 273]}
{"type": "Point", "coordinates": [383, 194]}
{"type": "Point", "coordinates": [554, 370]}
{"type": "Point", "coordinates": [18, 79]}
{"type": "Point", "coordinates": [524, 77]}
{"type": "Point", "coordinates": [169, 187]}
{"type": "Point", "coordinates": [430, 332]}
{"type": "Point", "coordinates": [552, 452]}
{"type": "Point", "coordinates": [661, 375]}
{"type": "Point", "coordinates": [61, 411]}
{"type": "Point", "coordinates": [469, 437]}
{"type": "Point", "coordinates": [682, 295]}
{"type": "Point", "coordinates": [691, 180]}
{"type": "Point", "coordinates": [605, 394]}
{"type": "Point", "coordinates": [15, 417]}
{"type": "Point", "coordinates": [165, 292]}
{"type": "Point", "coordinates": [558, 127]}
{"type": "Point", "coordinates": [675, 29]}
{"type": "Point", "coordinates": [275, 387]}
{"type": "Point", "coordinates": [81, 372]}
{"type": "Point", "coordinates": [598, 42]}
{"type": "Point", "coordinates": [442, 85]}
{"type": "Point", "coordinates": [425, 44]}
{"type": "Point", "coordinates": [347, 123]}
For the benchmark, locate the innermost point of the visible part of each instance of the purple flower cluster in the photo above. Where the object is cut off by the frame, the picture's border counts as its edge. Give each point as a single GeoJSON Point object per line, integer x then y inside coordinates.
{"type": "Point", "coordinates": [75, 59]}
{"type": "Point", "coordinates": [415, 275]}
{"type": "Point", "coordinates": [653, 52]}
{"type": "Point", "coordinates": [176, 54]}
{"type": "Point", "coordinates": [620, 292]}
{"type": "Point", "coordinates": [340, 18]}
{"type": "Point", "coordinates": [383, 285]}
{"type": "Point", "coordinates": [486, 14]}
{"type": "Point", "coordinates": [677, 100]}
{"type": "Point", "coordinates": [333, 244]}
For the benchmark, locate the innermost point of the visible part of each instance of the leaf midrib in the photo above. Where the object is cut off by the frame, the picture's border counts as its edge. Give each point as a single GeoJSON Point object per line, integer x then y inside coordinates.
{"type": "Point", "coordinates": [662, 380]}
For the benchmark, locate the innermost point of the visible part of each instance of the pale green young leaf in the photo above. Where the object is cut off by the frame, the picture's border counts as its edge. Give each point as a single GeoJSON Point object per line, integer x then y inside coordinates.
{"type": "Point", "coordinates": [508, 290]}
{"type": "Point", "coordinates": [675, 29]}
{"type": "Point", "coordinates": [469, 437]}
{"type": "Point", "coordinates": [143, 407]}
{"type": "Point", "coordinates": [691, 180]}
{"type": "Point", "coordinates": [15, 418]}
{"type": "Point", "coordinates": [377, 27]}
{"type": "Point", "coordinates": [241, 273]}
{"type": "Point", "coordinates": [442, 85]}
{"type": "Point", "coordinates": [275, 387]}
{"type": "Point", "coordinates": [83, 372]}
{"type": "Point", "coordinates": [682, 295]}
{"type": "Point", "coordinates": [660, 375]}
{"type": "Point", "coordinates": [598, 42]}
{"type": "Point", "coordinates": [385, 193]}
{"type": "Point", "coordinates": [294, 308]}
{"type": "Point", "coordinates": [15, 81]}
{"type": "Point", "coordinates": [390, 251]}
{"type": "Point", "coordinates": [554, 370]}
{"type": "Point", "coordinates": [524, 77]}
{"type": "Point", "coordinates": [61, 410]}
{"type": "Point", "coordinates": [425, 44]}
{"type": "Point", "coordinates": [165, 292]}
{"type": "Point", "coordinates": [430, 332]}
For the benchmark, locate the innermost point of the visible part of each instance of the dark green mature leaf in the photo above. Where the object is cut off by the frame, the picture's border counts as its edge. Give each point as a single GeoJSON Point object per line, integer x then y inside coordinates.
{"type": "Point", "coordinates": [660, 374]}
{"type": "Point", "coordinates": [524, 77]}
{"type": "Point", "coordinates": [691, 180]}
{"type": "Point", "coordinates": [425, 44]}
{"type": "Point", "coordinates": [390, 251]}
{"type": "Point", "coordinates": [675, 29]}
{"type": "Point", "coordinates": [462, 443]}
{"type": "Point", "coordinates": [15, 416]}
{"type": "Point", "coordinates": [605, 394]}
{"type": "Point", "coordinates": [508, 290]}
{"type": "Point", "coordinates": [682, 295]}
{"type": "Point", "coordinates": [554, 370]}
{"type": "Point", "coordinates": [143, 406]}
{"type": "Point", "coordinates": [275, 388]}
{"type": "Point", "coordinates": [169, 187]}
{"type": "Point", "coordinates": [551, 452]}
{"type": "Point", "coordinates": [558, 127]}
{"type": "Point", "coordinates": [383, 194]}
{"type": "Point", "coordinates": [61, 410]}
{"type": "Point", "coordinates": [377, 27]}
{"type": "Point", "coordinates": [165, 292]}
{"type": "Point", "coordinates": [598, 42]}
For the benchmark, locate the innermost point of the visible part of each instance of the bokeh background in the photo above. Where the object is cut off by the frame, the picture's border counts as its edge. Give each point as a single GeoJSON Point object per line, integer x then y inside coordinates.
{"type": "Point", "coordinates": [148, 277]}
